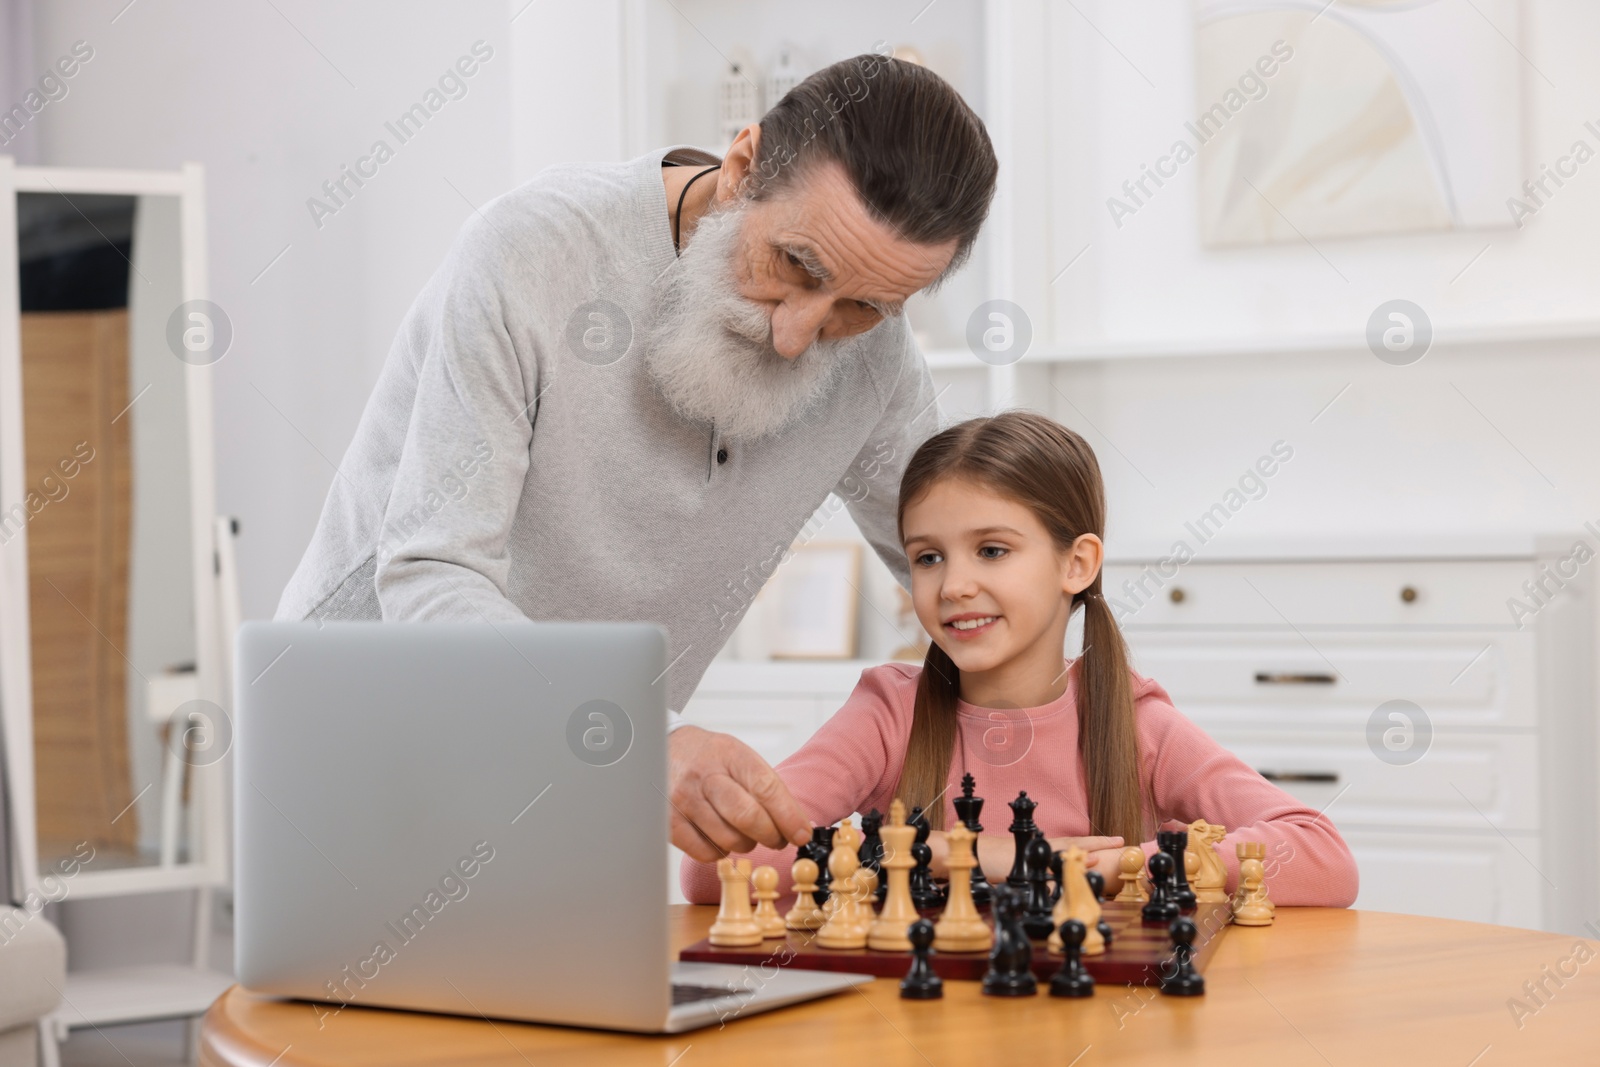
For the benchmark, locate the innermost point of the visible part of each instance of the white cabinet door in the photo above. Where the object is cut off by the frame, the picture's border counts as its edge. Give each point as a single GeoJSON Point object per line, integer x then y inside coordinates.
{"type": "Point", "coordinates": [1480, 877]}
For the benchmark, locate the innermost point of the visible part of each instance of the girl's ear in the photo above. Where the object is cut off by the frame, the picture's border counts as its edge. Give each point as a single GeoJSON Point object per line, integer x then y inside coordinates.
{"type": "Point", "coordinates": [1081, 563]}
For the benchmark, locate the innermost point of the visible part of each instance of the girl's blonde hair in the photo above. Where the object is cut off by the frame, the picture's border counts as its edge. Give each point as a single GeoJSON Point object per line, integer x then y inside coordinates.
{"type": "Point", "coordinates": [1053, 472]}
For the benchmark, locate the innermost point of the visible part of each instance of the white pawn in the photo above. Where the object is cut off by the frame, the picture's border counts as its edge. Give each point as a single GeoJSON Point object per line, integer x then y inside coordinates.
{"type": "Point", "coordinates": [766, 916]}
{"type": "Point", "coordinates": [1255, 909]}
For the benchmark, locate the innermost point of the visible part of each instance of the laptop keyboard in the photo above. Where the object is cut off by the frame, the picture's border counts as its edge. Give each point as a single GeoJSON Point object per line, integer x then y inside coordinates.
{"type": "Point", "coordinates": [689, 994]}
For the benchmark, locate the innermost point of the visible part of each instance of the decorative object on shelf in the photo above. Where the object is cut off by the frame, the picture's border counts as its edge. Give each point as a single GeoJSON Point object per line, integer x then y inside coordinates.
{"type": "Point", "coordinates": [811, 609]}
{"type": "Point", "coordinates": [785, 75]}
{"type": "Point", "coordinates": [738, 101]}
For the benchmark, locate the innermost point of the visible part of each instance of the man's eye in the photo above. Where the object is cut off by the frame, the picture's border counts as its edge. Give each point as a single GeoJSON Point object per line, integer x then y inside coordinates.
{"type": "Point", "coordinates": [862, 305]}
{"type": "Point", "coordinates": [792, 259]}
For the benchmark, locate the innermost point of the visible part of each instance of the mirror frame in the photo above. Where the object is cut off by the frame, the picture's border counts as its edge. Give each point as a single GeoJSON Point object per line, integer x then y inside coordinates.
{"type": "Point", "coordinates": [206, 783]}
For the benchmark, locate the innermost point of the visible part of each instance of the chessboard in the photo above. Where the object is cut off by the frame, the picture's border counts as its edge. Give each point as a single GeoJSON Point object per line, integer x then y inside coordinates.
{"type": "Point", "coordinates": [1138, 952]}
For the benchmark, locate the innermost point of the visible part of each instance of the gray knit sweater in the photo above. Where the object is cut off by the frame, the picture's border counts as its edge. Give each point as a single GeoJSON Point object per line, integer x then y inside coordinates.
{"type": "Point", "coordinates": [496, 475]}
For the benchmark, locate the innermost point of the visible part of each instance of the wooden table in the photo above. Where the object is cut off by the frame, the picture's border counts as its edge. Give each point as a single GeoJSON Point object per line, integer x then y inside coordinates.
{"type": "Point", "coordinates": [1319, 987]}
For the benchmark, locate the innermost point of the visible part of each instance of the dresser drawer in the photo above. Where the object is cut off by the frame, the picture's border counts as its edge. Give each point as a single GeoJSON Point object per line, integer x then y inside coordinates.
{"type": "Point", "coordinates": [1464, 782]}
{"type": "Point", "coordinates": [1484, 679]}
{"type": "Point", "coordinates": [1290, 595]}
{"type": "Point", "coordinates": [1481, 878]}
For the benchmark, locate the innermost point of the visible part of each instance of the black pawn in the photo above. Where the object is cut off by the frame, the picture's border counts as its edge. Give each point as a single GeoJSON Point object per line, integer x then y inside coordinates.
{"type": "Point", "coordinates": [1010, 971]}
{"type": "Point", "coordinates": [1184, 981]}
{"type": "Point", "coordinates": [1097, 884]}
{"type": "Point", "coordinates": [1173, 843]}
{"type": "Point", "coordinates": [821, 848]}
{"type": "Point", "coordinates": [1022, 831]}
{"type": "Point", "coordinates": [920, 983]}
{"type": "Point", "coordinates": [968, 808]}
{"type": "Point", "coordinates": [925, 893]}
{"type": "Point", "coordinates": [1161, 908]}
{"type": "Point", "coordinates": [871, 851]}
{"type": "Point", "coordinates": [1072, 980]}
{"type": "Point", "coordinates": [1036, 914]}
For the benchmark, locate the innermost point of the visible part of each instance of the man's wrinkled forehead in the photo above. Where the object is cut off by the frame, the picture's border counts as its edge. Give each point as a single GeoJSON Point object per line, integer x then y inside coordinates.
{"type": "Point", "coordinates": [821, 218]}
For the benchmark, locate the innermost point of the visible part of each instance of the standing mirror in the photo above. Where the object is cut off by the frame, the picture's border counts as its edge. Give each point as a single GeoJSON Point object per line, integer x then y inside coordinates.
{"type": "Point", "coordinates": [109, 652]}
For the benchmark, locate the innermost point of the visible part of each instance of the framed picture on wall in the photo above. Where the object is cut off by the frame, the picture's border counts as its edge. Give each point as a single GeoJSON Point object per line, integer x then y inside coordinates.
{"type": "Point", "coordinates": [811, 602]}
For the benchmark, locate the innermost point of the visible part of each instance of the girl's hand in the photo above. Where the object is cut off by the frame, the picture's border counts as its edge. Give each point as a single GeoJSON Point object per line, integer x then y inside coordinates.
{"type": "Point", "coordinates": [1103, 852]}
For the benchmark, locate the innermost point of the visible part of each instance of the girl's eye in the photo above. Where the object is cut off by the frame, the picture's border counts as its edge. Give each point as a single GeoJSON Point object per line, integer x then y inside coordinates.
{"type": "Point", "coordinates": [928, 559]}
{"type": "Point", "coordinates": [992, 551]}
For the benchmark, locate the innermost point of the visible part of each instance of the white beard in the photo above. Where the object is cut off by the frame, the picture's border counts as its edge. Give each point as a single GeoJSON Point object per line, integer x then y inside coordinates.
{"type": "Point", "coordinates": [710, 352]}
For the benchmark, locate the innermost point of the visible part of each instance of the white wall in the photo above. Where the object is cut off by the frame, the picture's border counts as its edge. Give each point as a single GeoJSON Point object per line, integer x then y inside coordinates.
{"type": "Point", "coordinates": [273, 104]}
{"type": "Point", "coordinates": [1476, 437]}
{"type": "Point", "coordinates": [1149, 279]}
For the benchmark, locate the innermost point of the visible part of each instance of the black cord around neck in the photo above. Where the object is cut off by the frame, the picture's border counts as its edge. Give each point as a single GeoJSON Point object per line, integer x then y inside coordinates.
{"type": "Point", "coordinates": [677, 216]}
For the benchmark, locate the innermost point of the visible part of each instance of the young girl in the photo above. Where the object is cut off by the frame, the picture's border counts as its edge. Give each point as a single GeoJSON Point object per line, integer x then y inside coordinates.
{"type": "Point", "coordinates": [1002, 520]}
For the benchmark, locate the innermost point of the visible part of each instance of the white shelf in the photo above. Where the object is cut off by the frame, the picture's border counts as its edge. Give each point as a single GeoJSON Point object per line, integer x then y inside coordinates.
{"type": "Point", "coordinates": [1175, 347]}
{"type": "Point", "coordinates": [137, 994]}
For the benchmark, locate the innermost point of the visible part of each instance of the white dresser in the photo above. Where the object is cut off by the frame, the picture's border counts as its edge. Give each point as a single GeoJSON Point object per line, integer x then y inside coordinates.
{"type": "Point", "coordinates": [1454, 749]}
{"type": "Point", "coordinates": [1451, 742]}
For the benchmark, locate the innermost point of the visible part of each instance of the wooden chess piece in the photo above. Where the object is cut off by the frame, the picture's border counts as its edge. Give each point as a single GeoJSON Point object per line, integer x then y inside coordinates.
{"type": "Point", "coordinates": [1073, 979]}
{"type": "Point", "coordinates": [1255, 909]}
{"type": "Point", "coordinates": [1130, 865]}
{"type": "Point", "coordinates": [968, 809]}
{"type": "Point", "coordinates": [821, 848]}
{"type": "Point", "coordinates": [1210, 881]}
{"type": "Point", "coordinates": [805, 915]}
{"type": "Point", "coordinates": [960, 928]}
{"type": "Point", "coordinates": [1097, 883]}
{"type": "Point", "coordinates": [888, 932]}
{"type": "Point", "coordinates": [843, 928]}
{"type": "Point", "coordinates": [1174, 842]}
{"type": "Point", "coordinates": [1010, 971]}
{"type": "Point", "coordinates": [1247, 850]}
{"type": "Point", "coordinates": [841, 836]}
{"type": "Point", "coordinates": [1161, 907]}
{"type": "Point", "coordinates": [1184, 981]}
{"type": "Point", "coordinates": [1078, 902]}
{"type": "Point", "coordinates": [1036, 913]}
{"type": "Point", "coordinates": [920, 982]}
{"type": "Point", "coordinates": [871, 851]}
{"type": "Point", "coordinates": [766, 915]}
{"type": "Point", "coordinates": [1022, 831]}
{"type": "Point", "coordinates": [736, 924]}
{"type": "Point", "coordinates": [925, 893]}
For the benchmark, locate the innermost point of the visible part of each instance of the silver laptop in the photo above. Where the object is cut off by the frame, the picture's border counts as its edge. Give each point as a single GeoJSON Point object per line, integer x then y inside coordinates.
{"type": "Point", "coordinates": [468, 818]}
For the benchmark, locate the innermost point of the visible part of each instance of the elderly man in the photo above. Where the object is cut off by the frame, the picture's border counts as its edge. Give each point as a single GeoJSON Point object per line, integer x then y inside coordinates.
{"type": "Point", "coordinates": [630, 384]}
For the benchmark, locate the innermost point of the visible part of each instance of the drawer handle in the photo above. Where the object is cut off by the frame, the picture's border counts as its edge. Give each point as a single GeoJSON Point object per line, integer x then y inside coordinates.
{"type": "Point", "coordinates": [1320, 777]}
{"type": "Point", "coordinates": [1291, 678]}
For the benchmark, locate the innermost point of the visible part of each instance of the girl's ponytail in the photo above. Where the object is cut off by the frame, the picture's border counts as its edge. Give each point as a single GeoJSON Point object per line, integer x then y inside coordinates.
{"type": "Point", "coordinates": [933, 736]}
{"type": "Point", "coordinates": [1108, 738]}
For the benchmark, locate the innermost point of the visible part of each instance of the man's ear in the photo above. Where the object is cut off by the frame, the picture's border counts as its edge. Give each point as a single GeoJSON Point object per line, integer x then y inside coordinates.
{"type": "Point", "coordinates": [1082, 564]}
{"type": "Point", "coordinates": [739, 162]}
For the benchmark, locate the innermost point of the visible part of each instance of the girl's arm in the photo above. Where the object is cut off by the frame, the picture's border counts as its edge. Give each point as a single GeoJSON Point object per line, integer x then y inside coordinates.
{"type": "Point", "coordinates": [859, 748]}
{"type": "Point", "coordinates": [1193, 777]}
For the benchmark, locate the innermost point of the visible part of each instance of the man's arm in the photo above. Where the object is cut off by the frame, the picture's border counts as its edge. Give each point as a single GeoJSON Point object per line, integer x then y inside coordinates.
{"type": "Point", "coordinates": [442, 551]}
{"type": "Point", "coordinates": [871, 487]}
